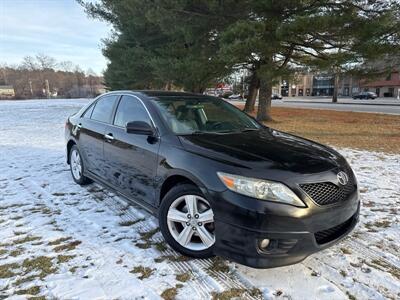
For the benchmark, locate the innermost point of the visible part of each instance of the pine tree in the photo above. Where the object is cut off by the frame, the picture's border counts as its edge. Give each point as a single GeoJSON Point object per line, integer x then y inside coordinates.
{"type": "Point", "coordinates": [192, 44]}
{"type": "Point", "coordinates": [162, 43]}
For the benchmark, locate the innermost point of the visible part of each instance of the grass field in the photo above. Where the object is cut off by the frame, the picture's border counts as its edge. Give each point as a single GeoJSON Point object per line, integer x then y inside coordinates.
{"type": "Point", "coordinates": [365, 131]}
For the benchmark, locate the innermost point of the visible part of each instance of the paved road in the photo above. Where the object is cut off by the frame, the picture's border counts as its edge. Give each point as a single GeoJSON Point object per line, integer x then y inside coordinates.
{"type": "Point", "coordinates": [384, 106]}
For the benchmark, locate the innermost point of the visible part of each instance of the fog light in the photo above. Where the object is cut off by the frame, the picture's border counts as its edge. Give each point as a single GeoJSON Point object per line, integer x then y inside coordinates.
{"type": "Point", "coordinates": [263, 244]}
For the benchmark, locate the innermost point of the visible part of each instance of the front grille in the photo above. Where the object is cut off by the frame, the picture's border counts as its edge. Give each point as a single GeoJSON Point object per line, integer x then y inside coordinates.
{"type": "Point", "coordinates": [328, 235]}
{"type": "Point", "coordinates": [325, 193]}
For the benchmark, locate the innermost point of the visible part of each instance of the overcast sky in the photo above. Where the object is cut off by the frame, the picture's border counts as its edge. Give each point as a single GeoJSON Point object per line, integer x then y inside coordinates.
{"type": "Point", "coordinates": [58, 28]}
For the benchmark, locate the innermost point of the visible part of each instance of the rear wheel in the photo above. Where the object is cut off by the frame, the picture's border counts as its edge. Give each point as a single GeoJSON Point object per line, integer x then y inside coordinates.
{"type": "Point", "coordinates": [187, 221]}
{"type": "Point", "coordinates": [77, 167]}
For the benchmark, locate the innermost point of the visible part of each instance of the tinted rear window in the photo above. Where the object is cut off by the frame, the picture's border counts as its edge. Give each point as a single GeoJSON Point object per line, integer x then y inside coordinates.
{"type": "Point", "coordinates": [103, 110]}
{"type": "Point", "coordinates": [88, 112]}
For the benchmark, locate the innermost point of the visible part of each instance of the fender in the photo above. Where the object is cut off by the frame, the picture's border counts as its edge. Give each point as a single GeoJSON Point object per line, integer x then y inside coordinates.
{"type": "Point", "coordinates": [178, 172]}
{"type": "Point", "coordinates": [70, 139]}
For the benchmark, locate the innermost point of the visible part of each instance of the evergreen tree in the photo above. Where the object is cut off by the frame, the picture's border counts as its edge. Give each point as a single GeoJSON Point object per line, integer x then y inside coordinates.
{"type": "Point", "coordinates": [192, 44]}
{"type": "Point", "coordinates": [159, 43]}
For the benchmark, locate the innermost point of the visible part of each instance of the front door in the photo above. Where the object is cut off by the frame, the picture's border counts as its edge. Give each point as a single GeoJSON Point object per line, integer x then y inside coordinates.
{"type": "Point", "coordinates": [131, 158]}
{"type": "Point", "coordinates": [91, 133]}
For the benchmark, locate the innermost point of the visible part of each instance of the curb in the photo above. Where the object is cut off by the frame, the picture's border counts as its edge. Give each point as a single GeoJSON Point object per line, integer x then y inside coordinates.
{"type": "Point", "coordinates": [346, 103]}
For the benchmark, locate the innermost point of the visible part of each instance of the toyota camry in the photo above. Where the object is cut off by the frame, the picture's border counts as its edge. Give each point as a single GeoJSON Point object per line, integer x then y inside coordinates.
{"type": "Point", "coordinates": [220, 182]}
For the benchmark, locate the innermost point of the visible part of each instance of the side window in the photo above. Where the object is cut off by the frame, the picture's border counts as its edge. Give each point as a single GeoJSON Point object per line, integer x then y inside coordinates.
{"type": "Point", "coordinates": [130, 109]}
{"type": "Point", "coordinates": [103, 109]}
{"type": "Point", "coordinates": [88, 112]}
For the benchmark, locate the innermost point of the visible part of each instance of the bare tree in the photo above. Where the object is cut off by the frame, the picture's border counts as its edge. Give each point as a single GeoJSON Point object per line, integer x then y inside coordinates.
{"type": "Point", "coordinates": [66, 66]}
{"type": "Point", "coordinates": [45, 62]}
{"type": "Point", "coordinates": [3, 73]}
{"type": "Point", "coordinates": [29, 63]}
{"type": "Point", "coordinates": [41, 76]}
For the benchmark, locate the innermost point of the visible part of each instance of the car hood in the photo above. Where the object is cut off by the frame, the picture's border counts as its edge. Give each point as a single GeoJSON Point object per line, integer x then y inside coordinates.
{"type": "Point", "coordinates": [264, 149]}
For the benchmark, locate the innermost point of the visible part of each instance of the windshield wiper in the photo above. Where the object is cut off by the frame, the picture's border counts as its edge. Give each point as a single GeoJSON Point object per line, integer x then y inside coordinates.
{"type": "Point", "coordinates": [212, 132]}
{"type": "Point", "coordinates": [249, 129]}
{"type": "Point", "coordinates": [223, 132]}
{"type": "Point", "coordinates": [202, 132]}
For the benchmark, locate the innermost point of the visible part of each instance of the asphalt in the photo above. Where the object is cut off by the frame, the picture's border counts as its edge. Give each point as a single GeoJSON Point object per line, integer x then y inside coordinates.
{"type": "Point", "coordinates": [380, 105]}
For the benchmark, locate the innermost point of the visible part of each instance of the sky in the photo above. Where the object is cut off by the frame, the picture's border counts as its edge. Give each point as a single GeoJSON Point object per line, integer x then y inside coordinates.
{"type": "Point", "coordinates": [58, 28]}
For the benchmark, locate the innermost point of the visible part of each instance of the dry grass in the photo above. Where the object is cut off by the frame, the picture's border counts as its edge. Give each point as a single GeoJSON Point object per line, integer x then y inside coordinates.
{"type": "Point", "coordinates": [144, 272]}
{"type": "Point", "coordinates": [34, 290]}
{"type": "Point", "coordinates": [67, 247]}
{"type": "Point", "coordinates": [234, 293]}
{"type": "Point", "coordinates": [64, 258]}
{"type": "Point", "coordinates": [41, 265]}
{"type": "Point", "coordinates": [172, 258]}
{"type": "Point", "coordinates": [130, 223]}
{"type": "Point", "coordinates": [169, 294]}
{"type": "Point", "coordinates": [183, 277]}
{"type": "Point", "coordinates": [364, 131]}
{"type": "Point", "coordinates": [59, 241]}
{"type": "Point", "coordinates": [7, 270]}
{"type": "Point", "coordinates": [218, 265]}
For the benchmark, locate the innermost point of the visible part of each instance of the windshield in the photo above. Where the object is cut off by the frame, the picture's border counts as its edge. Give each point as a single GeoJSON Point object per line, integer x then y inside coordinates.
{"type": "Point", "coordinates": [186, 115]}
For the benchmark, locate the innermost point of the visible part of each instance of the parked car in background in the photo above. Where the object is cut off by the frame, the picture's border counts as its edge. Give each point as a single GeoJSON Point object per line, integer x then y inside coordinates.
{"type": "Point", "coordinates": [235, 97]}
{"type": "Point", "coordinates": [276, 97]}
{"type": "Point", "coordinates": [365, 95]}
{"type": "Point", "coordinates": [220, 182]}
{"type": "Point", "coordinates": [225, 95]}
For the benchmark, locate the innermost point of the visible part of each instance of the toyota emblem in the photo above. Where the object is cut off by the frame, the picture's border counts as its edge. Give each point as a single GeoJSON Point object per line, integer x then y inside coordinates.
{"type": "Point", "coordinates": [342, 178]}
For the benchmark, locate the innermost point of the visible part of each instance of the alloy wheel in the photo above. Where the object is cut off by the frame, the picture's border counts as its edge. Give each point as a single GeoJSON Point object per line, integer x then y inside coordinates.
{"type": "Point", "coordinates": [190, 221]}
{"type": "Point", "coordinates": [76, 164]}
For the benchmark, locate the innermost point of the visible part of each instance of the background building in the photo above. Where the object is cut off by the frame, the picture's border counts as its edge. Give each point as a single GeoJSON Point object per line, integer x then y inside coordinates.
{"type": "Point", "coordinates": [318, 84]}
{"type": "Point", "coordinates": [322, 84]}
{"type": "Point", "coordinates": [7, 92]}
{"type": "Point", "coordinates": [384, 87]}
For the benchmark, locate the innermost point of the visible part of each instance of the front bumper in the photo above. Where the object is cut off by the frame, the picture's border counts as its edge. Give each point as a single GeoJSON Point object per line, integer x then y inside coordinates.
{"type": "Point", "coordinates": [294, 233]}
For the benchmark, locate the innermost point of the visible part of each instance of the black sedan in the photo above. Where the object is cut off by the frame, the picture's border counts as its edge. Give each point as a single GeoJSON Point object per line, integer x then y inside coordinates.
{"type": "Point", "coordinates": [276, 97]}
{"type": "Point", "coordinates": [220, 182]}
{"type": "Point", "coordinates": [366, 95]}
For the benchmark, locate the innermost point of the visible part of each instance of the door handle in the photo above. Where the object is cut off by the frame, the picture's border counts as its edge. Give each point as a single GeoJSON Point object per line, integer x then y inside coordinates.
{"type": "Point", "coordinates": [109, 136]}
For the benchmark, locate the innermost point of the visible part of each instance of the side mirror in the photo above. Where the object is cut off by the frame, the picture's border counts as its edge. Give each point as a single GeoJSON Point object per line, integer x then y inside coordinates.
{"type": "Point", "coordinates": [139, 127]}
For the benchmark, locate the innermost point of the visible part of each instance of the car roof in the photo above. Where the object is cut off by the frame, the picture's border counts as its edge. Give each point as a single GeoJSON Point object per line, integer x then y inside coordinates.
{"type": "Point", "coordinates": [168, 94]}
{"type": "Point", "coordinates": [157, 94]}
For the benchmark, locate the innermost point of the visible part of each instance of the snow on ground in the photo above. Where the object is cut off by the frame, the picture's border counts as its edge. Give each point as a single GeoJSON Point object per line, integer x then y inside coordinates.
{"type": "Point", "coordinates": [60, 240]}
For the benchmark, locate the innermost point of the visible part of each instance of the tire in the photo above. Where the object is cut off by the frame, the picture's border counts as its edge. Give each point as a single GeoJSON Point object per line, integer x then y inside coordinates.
{"type": "Point", "coordinates": [174, 222]}
{"type": "Point", "coordinates": [77, 168]}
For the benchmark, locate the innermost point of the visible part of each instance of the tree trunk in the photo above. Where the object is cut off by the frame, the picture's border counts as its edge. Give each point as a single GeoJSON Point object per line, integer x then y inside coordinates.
{"type": "Point", "coordinates": [253, 89]}
{"type": "Point", "coordinates": [264, 101]}
{"type": "Point", "coordinates": [336, 88]}
{"type": "Point", "coordinates": [168, 86]}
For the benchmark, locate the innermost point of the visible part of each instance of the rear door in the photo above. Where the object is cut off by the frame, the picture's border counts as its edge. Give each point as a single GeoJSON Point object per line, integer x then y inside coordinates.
{"type": "Point", "coordinates": [91, 134]}
{"type": "Point", "coordinates": [131, 158]}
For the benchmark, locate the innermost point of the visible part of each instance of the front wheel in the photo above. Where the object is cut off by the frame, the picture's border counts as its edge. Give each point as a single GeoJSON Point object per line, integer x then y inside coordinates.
{"type": "Point", "coordinates": [77, 167]}
{"type": "Point", "coordinates": [187, 221]}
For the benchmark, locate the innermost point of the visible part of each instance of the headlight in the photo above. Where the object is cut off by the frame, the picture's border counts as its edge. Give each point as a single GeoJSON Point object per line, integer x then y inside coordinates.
{"type": "Point", "coordinates": [260, 189]}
